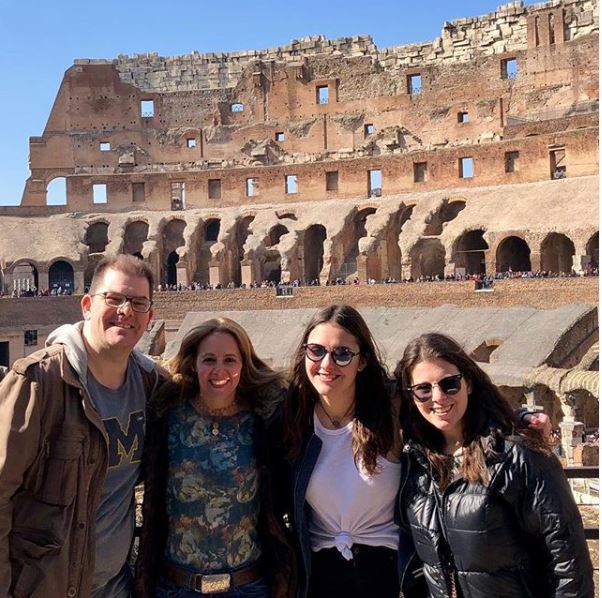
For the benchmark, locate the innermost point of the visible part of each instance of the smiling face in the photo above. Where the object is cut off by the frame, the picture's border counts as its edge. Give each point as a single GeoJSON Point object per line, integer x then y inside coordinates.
{"type": "Point", "coordinates": [115, 328]}
{"type": "Point", "coordinates": [444, 412]}
{"type": "Point", "coordinates": [218, 366]}
{"type": "Point", "coordinates": [333, 382]}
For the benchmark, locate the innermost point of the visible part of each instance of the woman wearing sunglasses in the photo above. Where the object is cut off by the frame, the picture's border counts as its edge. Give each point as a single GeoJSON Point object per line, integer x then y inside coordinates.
{"type": "Point", "coordinates": [488, 505]}
{"type": "Point", "coordinates": [343, 441]}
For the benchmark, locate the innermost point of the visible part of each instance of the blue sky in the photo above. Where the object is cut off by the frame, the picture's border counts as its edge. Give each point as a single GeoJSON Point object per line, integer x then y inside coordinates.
{"type": "Point", "coordinates": [40, 40]}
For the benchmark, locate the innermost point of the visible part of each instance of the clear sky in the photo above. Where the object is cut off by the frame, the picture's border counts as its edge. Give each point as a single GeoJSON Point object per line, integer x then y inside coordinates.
{"type": "Point", "coordinates": [39, 41]}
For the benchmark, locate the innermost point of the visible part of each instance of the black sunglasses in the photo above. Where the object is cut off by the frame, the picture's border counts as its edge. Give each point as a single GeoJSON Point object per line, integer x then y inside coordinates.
{"type": "Point", "coordinates": [342, 356]}
{"type": "Point", "coordinates": [450, 385]}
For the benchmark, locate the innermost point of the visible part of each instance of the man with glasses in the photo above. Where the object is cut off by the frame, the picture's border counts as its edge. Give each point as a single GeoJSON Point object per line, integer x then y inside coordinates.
{"type": "Point", "coordinates": [72, 421]}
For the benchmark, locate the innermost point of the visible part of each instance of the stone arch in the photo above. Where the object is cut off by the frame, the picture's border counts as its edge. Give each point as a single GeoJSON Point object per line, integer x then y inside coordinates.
{"type": "Point", "coordinates": [275, 234]}
{"type": "Point", "coordinates": [212, 227]}
{"type": "Point", "coordinates": [97, 237]}
{"type": "Point", "coordinates": [272, 266]}
{"type": "Point", "coordinates": [56, 191]}
{"type": "Point", "coordinates": [313, 251]}
{"type": "Point", "coordinates": [428, 259]}
{"type": "Point", "coordinates": [136, 233]}
{"type": "Point", "coordinates": [446, 213]}
{"type": "Point", "coordinates": [469, 251]}
{"type": "Point", "coordinates": [592, 249]}
{"type": "Point", "coordinates": [24, 273]}
{"type": "Point", "coordinates": [483, 352]}
{"type": "Point", "coordinates": [557, 252]}
{"type": "Point", "coordinates": [392, 259]}
{"type": "Point", "coordinates": [61, 275]}
{"type": "Point", "coordinates": [513, 253]}
{"type": "Point", "coordinates": [357, 230]}
{"type": "Point", "coordinates": [208, 235]}
{"type": "Point", "coordinates": [172, 237]}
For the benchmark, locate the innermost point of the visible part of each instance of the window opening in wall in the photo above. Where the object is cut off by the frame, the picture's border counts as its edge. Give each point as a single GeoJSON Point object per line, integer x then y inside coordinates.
{"type": "Point", "coordinates": [368, 129]}
{"type": "Point", "coordinates": [466, 168]}
{"type": "Point", "coordinates": [178, 195]}
{"type": "Point", "coordinates": [99, 193]}
{"type": "Point", "coordinates": [332, 180]}
{"type": "Point", "coordinates": [511, 161]}
{"type": "Point", "coordinates": [4, 353]}
{"type": "Point", "coordinates": [557, 164]}
{"type": "Point", "coordinates": [279, 136]}
{"type": "Point", "coordinates": [190, 142]}
{"type": "Point", "coordinates": [30, 338]}
{"type": "Point", "coordinates": [414, 84]}
{"type": "Point", "coordinates": [375, 183]}
{"type": "Point", "coordinates": [290, 183]}
{"type": "Point", "coordinates": [105, 146]}
{"type": "Point", "coordinates": [322, 94]}
{"type": "Point", "coordinates": [251, 187]}
{"type": "Point", "coordinates": [215, 188]}
{"type": "Point", "coordinates": [138, 192]}
{"type": "Point", "coordinates": [509, 68]}
{"type": "Point", "coordinates": [147, 108]}
{"type": "Point", "coordinates": [419, 172]}
{"type": "Point", "coordinates": [551, 28]}
{"type": "Point", "coordinates": [56, 192]}
{"type": "Point", "coordinates": [236, 107]}
{"type": "Point", "coordinates": [463, 117]}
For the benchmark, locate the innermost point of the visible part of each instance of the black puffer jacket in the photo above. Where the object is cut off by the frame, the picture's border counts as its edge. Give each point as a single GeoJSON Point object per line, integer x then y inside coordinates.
{"type": "Point", "coordinates": [519, 537]}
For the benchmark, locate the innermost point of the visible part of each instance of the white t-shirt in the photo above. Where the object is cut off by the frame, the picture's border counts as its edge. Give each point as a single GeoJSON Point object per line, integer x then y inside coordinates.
{"type": "Point", "coordinates": [350, 506]}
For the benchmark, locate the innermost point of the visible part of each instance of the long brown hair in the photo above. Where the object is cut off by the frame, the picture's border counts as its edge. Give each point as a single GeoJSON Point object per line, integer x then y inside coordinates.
{"type": "Point", "coordinates": [487, 411]}
{"type": "Point", "coordinates": [259, 384]}
{"type": "Point", "coordinates": [373, 425]}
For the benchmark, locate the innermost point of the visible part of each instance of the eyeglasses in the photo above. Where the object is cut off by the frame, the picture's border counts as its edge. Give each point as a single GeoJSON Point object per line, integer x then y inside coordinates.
{"type": "Point", "coordinates": [342, 356]}
{"type": "Point", "coordinates": [449, 385]}
{"type": "Point", "coordinates": [139, 304]}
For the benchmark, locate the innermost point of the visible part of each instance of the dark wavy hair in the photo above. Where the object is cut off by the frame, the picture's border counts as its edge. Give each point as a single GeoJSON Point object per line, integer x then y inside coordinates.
{"type": "Point", "coordinates": [487, 411]}
{"type": "Point", "coordinates": [373, 424]}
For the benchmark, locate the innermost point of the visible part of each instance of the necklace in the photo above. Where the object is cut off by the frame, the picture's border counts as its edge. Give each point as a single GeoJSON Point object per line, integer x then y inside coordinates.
{"type": "Point", "coordinates": [337, 421]}
{"type": "Point", "coordinates": [205, 410]}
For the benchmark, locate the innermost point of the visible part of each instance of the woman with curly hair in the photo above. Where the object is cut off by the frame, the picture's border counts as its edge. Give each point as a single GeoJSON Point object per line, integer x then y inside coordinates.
{"type": "Point", "coordinates": [487, 504]}
{"type": "Point", "coordinates": [209, 522]}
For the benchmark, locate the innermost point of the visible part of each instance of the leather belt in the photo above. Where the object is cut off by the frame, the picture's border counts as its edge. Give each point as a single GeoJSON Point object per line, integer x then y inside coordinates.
{"type": "Point", "coordinates": [213, 583]}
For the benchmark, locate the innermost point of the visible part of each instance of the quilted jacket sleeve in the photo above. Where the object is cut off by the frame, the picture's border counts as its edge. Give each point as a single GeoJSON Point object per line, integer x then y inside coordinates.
{"type": "Point", "coordinates": [547, 510]}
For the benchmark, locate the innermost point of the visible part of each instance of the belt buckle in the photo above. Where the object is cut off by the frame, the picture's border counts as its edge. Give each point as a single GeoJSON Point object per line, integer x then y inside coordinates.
{"type": "Point", "coordinates": [215, 584]}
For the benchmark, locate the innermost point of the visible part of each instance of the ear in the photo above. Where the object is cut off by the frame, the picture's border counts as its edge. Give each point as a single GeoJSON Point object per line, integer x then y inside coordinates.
{"type": "Point", "coordinates": [468, 387]}
{"type": "Point", "coordinates": [86, 304]}
{"type": "Point", "coordinates": [363, 363]}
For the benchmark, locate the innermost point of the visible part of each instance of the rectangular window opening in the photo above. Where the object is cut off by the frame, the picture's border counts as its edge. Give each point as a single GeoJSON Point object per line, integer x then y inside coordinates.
{"type": "Point", "coordinates": [105, 146]}
{"type": "Point", "coordinates": [557, 164]}
{"type": "Point", "coordinates": [236, 107]}
{"type": "Point", "coordinates": [466, 168]}
{"type": "Point", "coordinates": [414, 84]}
{"type": "Point", "coordinates": [511, 160]}
{"type": "Point", "coordinates": [375, 183]}
{"type": "Point", "coordinates": [463, 117]}
{"type": "Point", "coordinates": [178, 195]}
{"type": "Point", "coordinates": [215, 188]}
{"type": "Point", "coordinates": [147, 108]}
{"type": "Point", "coordinates": [368, 129]}
{"type": "Point", "coordinates": [509, 68]}
{"type": "Point", "coordinates": [322, 94]}
{"type": "Point", "coordinates": [190, 142]}
{"type": "Point", "coordinates": [290, 183]}
{"type": "Point", "coordinates": [332, 180]}
{"type": "Point", "coordinates": [279, 136]}
{"type": "Point", "coordinates": [30, 338]}
{"type": "Point", "coordinates": [251, 187]}
{"type": "Point", "coordinates": [99, 193]}
{"type": "Point", "coordinates": [419, 172]}
{"type": "Point", "coordinates": [138, 192]}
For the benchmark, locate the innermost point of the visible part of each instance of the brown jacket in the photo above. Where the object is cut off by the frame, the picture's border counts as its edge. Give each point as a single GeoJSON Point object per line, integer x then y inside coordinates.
{"type": "Point", "coordinates": [53, 461]}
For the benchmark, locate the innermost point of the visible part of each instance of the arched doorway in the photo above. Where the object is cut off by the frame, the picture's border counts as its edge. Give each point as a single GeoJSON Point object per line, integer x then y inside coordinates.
{"type": "Point", "coordinates": [60, 276]}
{"type": "Point", "coordinates": [557, 253]}
{"type": "Point", "coordinates": [173, 237]}
{"type": "Point", "coordinates": [97, 237]}
{"type": "Point", "coordinates": [469, 252]}
{"type": "Point", "coordinates": [171, 272]}
{"type": "Point", "coordinates": [513, 254]}
{"type": "Point", "coordinates": [313, 252]}
{"type": "Point", "coordinates": [428, 259]}
{"type": "Point", "coordinates": [136, 233]}
{"type": "Point", "coordinates": [592, 249]}
{"type": "Point", "coordinates": [25, 277]}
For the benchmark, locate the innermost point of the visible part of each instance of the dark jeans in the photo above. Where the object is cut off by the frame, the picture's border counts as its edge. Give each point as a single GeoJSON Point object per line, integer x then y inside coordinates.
{"type": "Point", "coordinates": [371, 574]}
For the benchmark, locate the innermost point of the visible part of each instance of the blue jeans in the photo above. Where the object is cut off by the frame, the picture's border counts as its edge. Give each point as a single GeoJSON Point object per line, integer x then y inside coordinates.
{"type": "Point", "coordinates": [255, 589]}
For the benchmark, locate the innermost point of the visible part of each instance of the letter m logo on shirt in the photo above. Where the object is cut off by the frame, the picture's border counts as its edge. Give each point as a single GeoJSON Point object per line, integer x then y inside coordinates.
{"type": "Point", "coordinates": [125, 444]}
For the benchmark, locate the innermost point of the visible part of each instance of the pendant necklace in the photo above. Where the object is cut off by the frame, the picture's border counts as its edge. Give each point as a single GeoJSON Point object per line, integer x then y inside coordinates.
{"type": "Point", "coordinates": [204, 410]}
{"type": "Point", "coordinates": [337, 421]}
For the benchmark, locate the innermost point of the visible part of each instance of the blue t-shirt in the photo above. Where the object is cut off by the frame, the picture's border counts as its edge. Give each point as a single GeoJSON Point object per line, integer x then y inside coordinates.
{"type": "Point", "coordinates": [212, 490]}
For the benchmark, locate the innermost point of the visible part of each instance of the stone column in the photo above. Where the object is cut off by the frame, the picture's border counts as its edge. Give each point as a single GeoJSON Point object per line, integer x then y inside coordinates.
{"type": "Point", "coordinates": [571, 431]}
{"type": "Point", "coordinates": [78, 282]}
{"type": "Point", "coordinates": [215, 274]}
{"type": "Point", "coordinates": [181, 275]}
{"type": "Point", "coordinates": [362, 268]}
{"type": "Point", "coordinates": [42, 279]}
